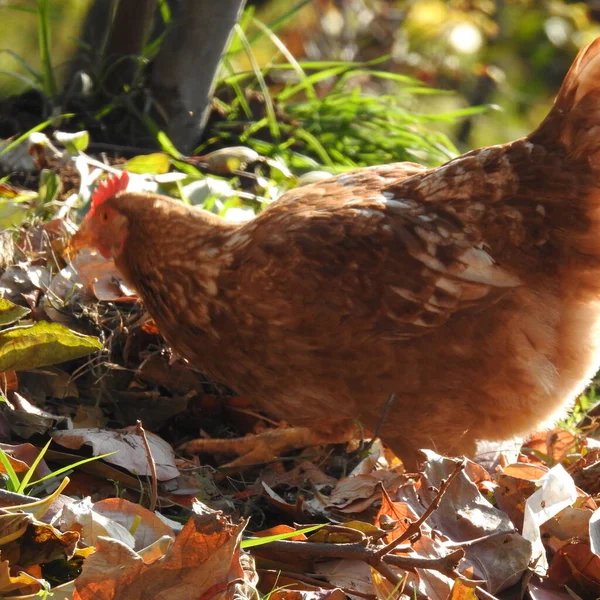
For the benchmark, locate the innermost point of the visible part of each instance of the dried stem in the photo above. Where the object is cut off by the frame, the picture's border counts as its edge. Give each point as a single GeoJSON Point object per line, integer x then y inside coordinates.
{"type": "Point", "coordinates": [485, 538]}
{"type": "Point", "coordinates": [415, 527]}
{"type": "Point", "coordinates": [382, 559]}
{"type": "Point", "coordinates": [154, 485]}
{"type": "Point", "coordinates": [445, 564]}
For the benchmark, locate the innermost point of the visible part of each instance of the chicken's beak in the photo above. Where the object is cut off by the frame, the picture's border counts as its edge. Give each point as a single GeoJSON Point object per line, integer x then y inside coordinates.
{"type": "Point", "coordinates": [83, 238]}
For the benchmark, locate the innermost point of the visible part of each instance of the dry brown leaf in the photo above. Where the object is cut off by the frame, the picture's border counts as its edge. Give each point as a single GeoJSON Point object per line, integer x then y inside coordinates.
{"type": "Point", "coordinates": [555, 444]}
{"type": "Point", "coordinates": [464, 514]}
{"type": "Point", "coordinates": [80, 516]}
{"type": "Point", "coordinates": [26, 419]}
{"type": "Point", "coordinates": [27, 541]}
{"type": "Point", "coordinates": [576, 566]}
{"type": "Point", "coordinates": [462, 591]}
{"type": "Point", "coordinates": [400, 512]}
{"type": "Point", "coordinates": [146, 527]}
{"type": "Point", "coordinates": [571, 524]}
{"type": "Point", "coordinates": [8, 382]}
{"type": "Point", "coordinates": [129, 448]}
{"type": "Point", "coordinates": [21, 457]}
{"type": "Point", "coordinates": [202, 564]}
{"type": "Point", "coordinates": [348, 574]}
{"type": "Point", "coordinates": [548, 590]}
{"type": "Point", "coordinates": [356, 493]}
{"type": "Point", "coordinates": [49, 382]}
{"type": "Point", "coordinates": [298, 477]}
{"type": "Point", "coordinates": [101, 277]}
{"type": "Point", "coordinates": [21, 582]}
{"type": "Point", "coordinates": [516, 482]}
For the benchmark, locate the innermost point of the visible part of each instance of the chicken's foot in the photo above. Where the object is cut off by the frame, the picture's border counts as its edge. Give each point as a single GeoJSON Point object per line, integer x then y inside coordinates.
{"type": "Point", "coordinates": [269, 445]}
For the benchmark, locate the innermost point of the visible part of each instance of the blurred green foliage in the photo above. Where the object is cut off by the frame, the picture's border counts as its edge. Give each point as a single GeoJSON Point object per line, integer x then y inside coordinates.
{"type": "Point", "coordinates": [510, 53]}
{"type": "Point", "coordinates": [20, 58]}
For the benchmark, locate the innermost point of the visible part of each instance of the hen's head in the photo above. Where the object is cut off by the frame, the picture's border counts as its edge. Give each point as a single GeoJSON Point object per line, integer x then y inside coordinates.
{"type": "Point", "coordinates": [104, 227]}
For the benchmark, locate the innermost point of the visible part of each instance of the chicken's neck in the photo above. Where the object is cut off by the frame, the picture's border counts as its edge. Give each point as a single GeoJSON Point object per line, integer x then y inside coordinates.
{"type": "Point", "coordinates": [172, 257]}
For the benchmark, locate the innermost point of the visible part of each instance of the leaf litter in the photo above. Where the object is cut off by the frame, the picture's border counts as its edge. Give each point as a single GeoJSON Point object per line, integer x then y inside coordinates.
{"type": "Point", "coordinates": [81, 363]}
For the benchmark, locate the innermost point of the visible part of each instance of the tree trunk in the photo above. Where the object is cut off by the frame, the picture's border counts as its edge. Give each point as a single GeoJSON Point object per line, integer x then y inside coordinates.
{"type": "Point", "coordinates": [128, 34]}
{"type": "Point", "coordinates": [185, 69]}
{"type": "Point", "coordinates": [114, 33]}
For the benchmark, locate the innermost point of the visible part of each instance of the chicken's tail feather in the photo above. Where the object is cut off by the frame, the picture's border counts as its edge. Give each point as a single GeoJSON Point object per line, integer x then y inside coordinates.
{"type": "Point", "coordinates": [574, 120]}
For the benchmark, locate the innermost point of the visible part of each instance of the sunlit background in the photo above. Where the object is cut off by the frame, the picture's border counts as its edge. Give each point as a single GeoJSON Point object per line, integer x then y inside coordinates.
{"type": "Point", "coordinates": [508, 54]}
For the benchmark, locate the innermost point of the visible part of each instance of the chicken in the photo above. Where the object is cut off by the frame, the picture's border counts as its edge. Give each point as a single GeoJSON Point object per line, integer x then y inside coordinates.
{"type": "Point", "coordinates": [469, 291]}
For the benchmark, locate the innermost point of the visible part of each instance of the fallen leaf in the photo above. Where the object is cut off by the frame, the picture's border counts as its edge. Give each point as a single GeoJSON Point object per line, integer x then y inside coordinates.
{"type": "Point", "coordinates": [570, 524]}
{"type": "Point", "coordinates": [356, 493]}
{"type": "Point", "coordinates": [204, 563]}
{"type": "Point", "coordinates": [10, 312]}
{"type": "Point", "coordinates": [462, 591]}
{"type": "Point", "coordinates": [155, 164]}
{"type": "Point", "coordinates": [32, 542]}
{"type": "Point", "coordinates": [22, 457]}
{"type": "Point", "coordinates": [594, 532]}
{"type": "Point", "coordinates": [42, 344]}
{"type": "Point", "coordinates": [9, 382]}
{"type": "Point", "coordinates": [80, 516]}
{"type": "Point", "coordinates": [556, 491]}
{"type": "Point", "coordinates": [21, 582]}
{"type": "Point", "coordinates": [464, 514]}
{"type": "Point", "coordinates": [230, 159]}
{"type": "Point", "coordinates": [348, 574]}
{"type": "Point", "coordinates": [144, 525]}
{"type": "Point", "coordinates": [26, 419]}
{"type": "Point", "coordinates": [575, 565]}
{"type": "Point", "coordinates": [555, 444]}
{"type": "Point", "coordinates": [128, 446]}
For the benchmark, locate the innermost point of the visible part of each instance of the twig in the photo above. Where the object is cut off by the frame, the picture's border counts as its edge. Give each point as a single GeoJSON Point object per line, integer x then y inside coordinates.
{"type": "Point", "coordinates": [415, 527]}
{"type": "Point", "coordinates": [484, 538]}
{"type": "Point", "coordinates": [381, 559]}
{"type": "Point", "coordinates": [154, 481]}
{"type": "Point", "coordinates": [481, 593]}
{"type": "Point", "coordinates": [384, 413]}
{"type": "Point", "coordinates": [444, 564]}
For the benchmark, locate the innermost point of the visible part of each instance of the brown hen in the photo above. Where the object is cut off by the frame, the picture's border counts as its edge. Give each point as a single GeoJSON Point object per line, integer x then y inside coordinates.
{"type": "Point", "coordinates": [470, 291]}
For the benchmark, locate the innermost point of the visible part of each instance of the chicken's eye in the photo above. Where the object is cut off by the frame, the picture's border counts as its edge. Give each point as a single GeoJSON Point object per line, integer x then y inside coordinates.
{"type": "Point", "coordinates": [104, 217]}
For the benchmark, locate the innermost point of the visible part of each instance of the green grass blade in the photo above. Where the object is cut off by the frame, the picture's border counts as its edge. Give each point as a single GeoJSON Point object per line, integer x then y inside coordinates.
{"type": "Point", "coordinates": [13, 479]}
{"type": "Point", "coordinates": [281, 20]}
{"type": "Point", "coordinates": [239, 93]}
{"type": "Point", "coordinates": [35, 74]}
{"type": "Point", "coordinates": [310, 90]}
{"type": "Point", "coordinates": [19, 77]}
{"type": "Point", "coordinates": [280, 536]}
{"type": "Point", "coordinates": [69, 468]}
{"type": "Point", "coordinates": [50, 87]}
{"type": "Point", "coordinates": [236, 45]}
{"type": "Point", "coordinates": [314, 78]}
{"type": "Point", "coordinates": [23, 137]}
{"type": "Point", "coordinates": [33, 467]}
{"type": "Point", "coordinates": [272, 119]}
{"type": "Point", "coordinates": [165, 11]}
{"type": "Point", "coordinates": [315, 145]}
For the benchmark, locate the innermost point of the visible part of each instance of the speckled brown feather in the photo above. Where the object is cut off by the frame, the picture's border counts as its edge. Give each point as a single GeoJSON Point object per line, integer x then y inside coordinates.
{"type": "Point", "coordinates": [469, 290]}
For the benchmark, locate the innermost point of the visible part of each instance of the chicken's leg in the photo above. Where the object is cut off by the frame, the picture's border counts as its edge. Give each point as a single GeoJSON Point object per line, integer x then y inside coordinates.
{"type": "Point", "coordinates": [267, 446]}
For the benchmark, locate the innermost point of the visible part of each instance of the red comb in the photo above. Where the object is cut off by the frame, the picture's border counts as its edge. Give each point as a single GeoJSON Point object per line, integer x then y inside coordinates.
{"type": "Point", "coordinates": [106, 189]}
